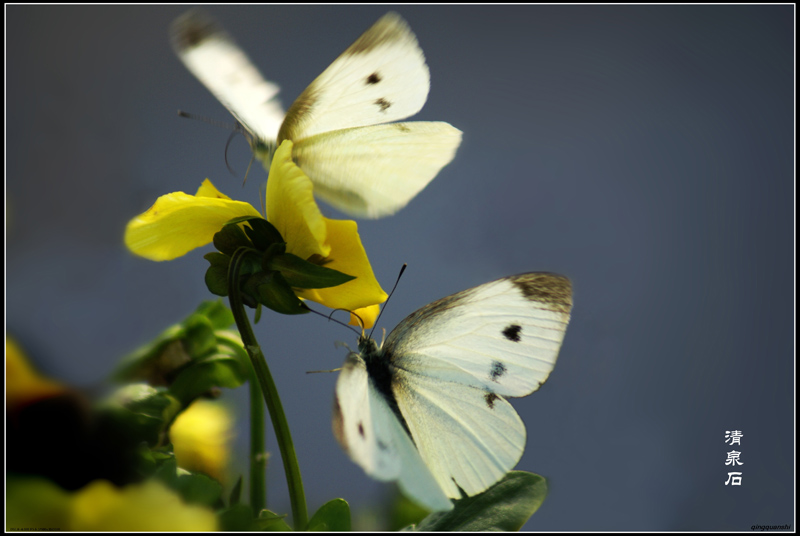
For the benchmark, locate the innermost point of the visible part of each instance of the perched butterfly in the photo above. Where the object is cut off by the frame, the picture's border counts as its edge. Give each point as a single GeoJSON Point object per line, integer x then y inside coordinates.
{"type": "Point", "coordinates": [341, 125]}
{"type": "Point", "coordinates": [428, 407]}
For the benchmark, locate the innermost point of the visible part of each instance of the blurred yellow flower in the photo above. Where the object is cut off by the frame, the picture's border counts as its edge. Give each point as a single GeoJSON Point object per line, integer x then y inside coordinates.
{"type": "Point", "coordinates": [38, 504]}
{"type": "Point", "coordinates": [178, 223]}
{"type": "Point", "coordinates": [201, 438]}
{"type": "Point", "coordinates": [23, 383]}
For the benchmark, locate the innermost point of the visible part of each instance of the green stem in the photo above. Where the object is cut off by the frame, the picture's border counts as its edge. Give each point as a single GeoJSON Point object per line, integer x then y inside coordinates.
{"type": "Point", "coordinates": [258, 447]}
{"type": "Point", "coordinates": [270, 392]}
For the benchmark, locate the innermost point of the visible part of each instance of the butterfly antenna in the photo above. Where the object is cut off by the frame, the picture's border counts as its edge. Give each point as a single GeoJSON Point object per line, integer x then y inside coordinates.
{"type": "Point", "coordinates": [227, 165]}
{"type": "Point", "coordinates": [330, 318]}
{"type": "Point", "coordinates": [403, 269]}
{"type": "Point", "coordinates": [246, 173]}
{"type": "Point", "coordinates": [318, 371]}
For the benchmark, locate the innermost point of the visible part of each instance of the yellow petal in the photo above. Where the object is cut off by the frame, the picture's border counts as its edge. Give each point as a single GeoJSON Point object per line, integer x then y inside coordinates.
{"type": "Point", "coordinates": [348, 256]}
{"type": "Point", "coordinates": [365, 316]}
{"type": "Point", "coordinates": [201, 438]}
{"type": "Point", "coordinates": [178, 223]}
{"type": "Point", "coordinates": [23, 382]}
{"type": "Point", "coordinates": [291, 207]}
{"type": "Point", "coordinates": [149, 506]}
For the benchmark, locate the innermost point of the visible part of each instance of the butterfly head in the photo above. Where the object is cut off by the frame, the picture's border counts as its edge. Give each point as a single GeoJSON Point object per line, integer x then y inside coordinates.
{"type": "Point", "coordinates": [367, 345]}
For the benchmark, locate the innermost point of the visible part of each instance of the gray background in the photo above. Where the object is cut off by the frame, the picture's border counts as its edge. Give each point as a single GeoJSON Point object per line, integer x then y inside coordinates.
{"type": "Point", "coordinates": [645, 152]}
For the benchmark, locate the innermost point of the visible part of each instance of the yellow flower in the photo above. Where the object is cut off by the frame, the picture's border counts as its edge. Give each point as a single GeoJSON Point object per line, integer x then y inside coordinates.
{"type": "Point", "coordinates": [178, 223]}
{"type": "Point", "coordinates": [38, 504]}
{"type": "Point", "coordinates": [23, 383]}
{"type": "Point", "coordinates": [149, 506]}
{"type": "Point", "coordinates": [201, 438]}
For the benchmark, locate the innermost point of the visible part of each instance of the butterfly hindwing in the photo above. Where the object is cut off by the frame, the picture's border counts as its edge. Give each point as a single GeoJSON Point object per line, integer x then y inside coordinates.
{"type": "Point", "coordinates": [214, 58]}
{"type": "Point", "coordinates": [375, 171]}
{"type": "Point", "coordinates": [503, 336]}
{"type": "Point", "coordinates": [369, 430]}
{"type": "Point", "coordinates": [381, 77]}
{"type": "Point", "coordinates": [468, 437]}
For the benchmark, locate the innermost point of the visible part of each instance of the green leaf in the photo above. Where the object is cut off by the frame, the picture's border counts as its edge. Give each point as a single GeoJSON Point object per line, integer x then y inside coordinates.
{"type": "Point", "coordinates": [300, 273]}
{"type": "Point", "coordinates": [217, 313]}
{"type": "Point", "coordinates": [217, 370]}
{"type": "Point", "coordinates": [237, 518]}
{"type": "Point", "coordinates": [199, 338]}
{"type": "Point", "coordinates": [334, 515]}
{"type": "Point", "coordinates": [141, 411]}
{"type": "Point", "coordinates": [505, 506]}
{"type": "Point", "coordinates": [197, 488]}
{"type": "Point", "coordinates": [405, 512]}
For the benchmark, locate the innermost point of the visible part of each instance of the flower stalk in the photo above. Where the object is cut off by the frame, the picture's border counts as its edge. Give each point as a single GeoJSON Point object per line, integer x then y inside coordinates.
{"type": "Point", "coordinates": [269, 390]}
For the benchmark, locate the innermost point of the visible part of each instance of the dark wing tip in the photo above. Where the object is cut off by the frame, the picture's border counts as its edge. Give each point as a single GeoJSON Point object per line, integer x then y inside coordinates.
{"type": "Point", "coordinates": [192, 28]}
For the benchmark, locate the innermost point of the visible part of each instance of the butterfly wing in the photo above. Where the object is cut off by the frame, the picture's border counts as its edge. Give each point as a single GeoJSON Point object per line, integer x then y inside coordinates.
{"type": "Point", "coordinates": [456, 358]}
{"type": "Point", "coordinates": [382, 77]}
{"type": "Point", "coordinates": [375, 171]}
{"type": "Point", "coordinates": [370, 432]}
{"type": "Point", "coordinates": [214, 58]}
{"type": "Point", "coordinates": [468, 438]}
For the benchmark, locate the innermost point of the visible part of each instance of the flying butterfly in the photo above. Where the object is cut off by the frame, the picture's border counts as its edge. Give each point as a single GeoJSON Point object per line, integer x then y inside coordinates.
{"type": "Point", "coordinates": [343, 125]}
{"type": "Point", "coordinates": [428, 407]}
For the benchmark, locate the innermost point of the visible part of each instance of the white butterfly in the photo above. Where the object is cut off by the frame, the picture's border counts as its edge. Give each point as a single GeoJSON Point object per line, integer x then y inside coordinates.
{"type": "Point", "coordinates": [341, 125]}
{"type": "Point", "coordinates": [428, 407]}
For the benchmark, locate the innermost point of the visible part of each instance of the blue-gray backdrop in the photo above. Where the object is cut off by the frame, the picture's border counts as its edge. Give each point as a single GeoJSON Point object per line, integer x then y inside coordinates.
{"type": "Point", "coordinates": [645, 152]}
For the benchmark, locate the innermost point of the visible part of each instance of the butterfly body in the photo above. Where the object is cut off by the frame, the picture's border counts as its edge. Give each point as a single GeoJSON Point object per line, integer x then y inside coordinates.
{"type": "Point", "coordinates": [428, 408]}
{"type": "Point", "coordinates": [343, 126]}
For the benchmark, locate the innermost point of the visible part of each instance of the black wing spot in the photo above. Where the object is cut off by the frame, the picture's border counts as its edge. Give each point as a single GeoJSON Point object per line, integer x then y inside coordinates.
{"type": "Point", "coordinates": [490, 398]}
{"type": "Point", "coordinates": [361, 429]}
{"type": "Point", "coordinates": [401, 127]}
{"type": "Point", "coordinates": [374, 78]}
{"type": "Point", "coordinates": [498, 369]}
{"type": "Point", "coordinates": [383, 104]}
{"type": "Point", "coordinates": [512, 333]}
{"type": "Point", "coordinates": [382, 445]}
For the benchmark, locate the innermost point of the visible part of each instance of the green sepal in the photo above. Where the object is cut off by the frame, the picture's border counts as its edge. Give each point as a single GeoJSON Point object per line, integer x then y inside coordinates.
{"type": "Point", "coordinates": [279, 248]}
{"type": "Point", "coordinates": [230, 238]}
{"type": "Point", "coordinates": [505, 506]}
{"type": "Point", "coordinates": [272, 290]}
{"type": "Point", "coordinates": [271, 522]}
{"type": "Point", "coordinates": [236, 492]}
{"type": "Point", "coordinates": [300, 273]}
{"type": "Point", "coordinates": [217, 274]}
{"type": "Point", "coordinates": [332, 516]}
{"type": "Point", "coordinates": [262, 233]}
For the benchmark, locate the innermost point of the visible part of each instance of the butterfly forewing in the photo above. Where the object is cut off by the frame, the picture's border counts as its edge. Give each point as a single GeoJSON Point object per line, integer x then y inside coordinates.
{"type": "Point", "coordinates": [382, 77]}
{"type": "Point", "coordinates": [502, 336]}
{"type": "Point", "coordinates": [214, 58]}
